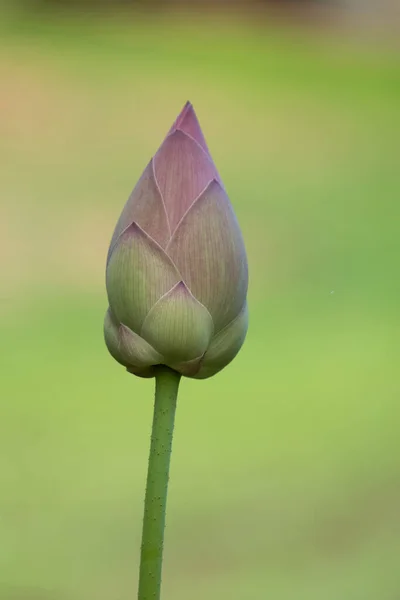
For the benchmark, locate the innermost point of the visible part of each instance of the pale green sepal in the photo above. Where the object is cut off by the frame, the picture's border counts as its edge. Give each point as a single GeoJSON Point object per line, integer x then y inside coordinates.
{"type": "Point", "coordinates": [224, 346]}
{"type": "Point", "coordinates": [188, 368]}
{"type": "Point", "coordinates": [178, 326]}
{"type": "Point", "coordinates": [138, 352]}
{"type": "Point", "coordinates": [138, 274]}
{"type": "Point", "coordinates": [128, 348]}
{"type": "Point", "coordinates": [145, 372]}
{"type": "Point", "coordinates": [111, 337]}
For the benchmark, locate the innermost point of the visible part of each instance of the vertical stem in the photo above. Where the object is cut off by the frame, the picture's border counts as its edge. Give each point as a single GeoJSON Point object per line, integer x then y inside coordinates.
{"type": "Point", "coordinates": [167, 383]}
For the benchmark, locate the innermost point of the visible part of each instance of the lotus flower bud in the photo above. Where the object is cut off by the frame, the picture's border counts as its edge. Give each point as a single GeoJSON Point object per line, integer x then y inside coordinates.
{"type": "Point", "coordinates": [176, 269]}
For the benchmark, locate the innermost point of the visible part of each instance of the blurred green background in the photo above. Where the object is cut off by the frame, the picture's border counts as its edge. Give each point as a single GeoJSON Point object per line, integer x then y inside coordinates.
{"type": "Point", "coordinates": [285, 480]}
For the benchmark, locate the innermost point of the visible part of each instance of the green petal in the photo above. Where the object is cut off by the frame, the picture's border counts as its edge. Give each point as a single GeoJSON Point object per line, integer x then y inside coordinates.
{"type": "Point", "coordinates": [224, 347]}
{"type": "Point", "coordinates": [178, 326]}
{"type": "Point", "coordinates": [138, 274]}
{"type": "Point", "coordinates": [144, 207]}
{"type": "Point", "coordinates": [208, 250]}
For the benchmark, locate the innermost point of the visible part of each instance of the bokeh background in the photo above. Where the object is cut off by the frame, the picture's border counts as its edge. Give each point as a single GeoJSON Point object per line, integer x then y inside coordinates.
{"type": "Point", "coordinates": [285, 480]}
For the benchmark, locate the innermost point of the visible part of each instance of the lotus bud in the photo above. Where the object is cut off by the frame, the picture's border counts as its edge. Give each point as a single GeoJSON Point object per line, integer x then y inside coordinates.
{"type": "Point", "coordinates": [176, 272]}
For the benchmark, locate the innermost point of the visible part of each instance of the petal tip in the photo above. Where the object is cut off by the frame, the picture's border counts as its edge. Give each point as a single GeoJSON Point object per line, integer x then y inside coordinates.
{"type": "Point", "coordinates": [132, 229]}
{"type": "Point", "coordinates": [182, 289]}
{"type": "Point", "coordinates": [135, 231]}
{"type": "Point", "coordinates": [215, 184]}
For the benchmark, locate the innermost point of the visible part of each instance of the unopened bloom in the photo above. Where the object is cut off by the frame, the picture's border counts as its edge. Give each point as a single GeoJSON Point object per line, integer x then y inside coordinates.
{"type": "Point", "coordinates": [176, 270]}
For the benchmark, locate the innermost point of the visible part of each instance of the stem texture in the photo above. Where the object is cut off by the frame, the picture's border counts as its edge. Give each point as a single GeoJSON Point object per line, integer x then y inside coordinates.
{"type": "Point", "coordinates": [167, 383]}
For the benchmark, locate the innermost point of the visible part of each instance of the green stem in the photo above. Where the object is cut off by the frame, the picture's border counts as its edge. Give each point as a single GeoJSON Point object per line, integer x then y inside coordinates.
{"type": "Point", "coordinates": [167, 383]}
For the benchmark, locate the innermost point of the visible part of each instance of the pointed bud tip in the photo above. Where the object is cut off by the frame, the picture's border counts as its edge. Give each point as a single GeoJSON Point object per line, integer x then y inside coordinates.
{"type": "Point", "coordinates": [188, 108]}
{"type": "Point", "coordinates": [188, 123]}
{"type": "Point", "coordinates": [187, 114]}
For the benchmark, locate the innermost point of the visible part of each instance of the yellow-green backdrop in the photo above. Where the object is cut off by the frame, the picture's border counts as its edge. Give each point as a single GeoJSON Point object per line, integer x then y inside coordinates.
{"type": "Point", "coordinates": [285, 478]}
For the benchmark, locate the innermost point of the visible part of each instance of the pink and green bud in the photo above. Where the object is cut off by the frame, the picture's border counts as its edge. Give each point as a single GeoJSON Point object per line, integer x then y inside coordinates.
{"type": "Point", "coordinates": [177, 269]}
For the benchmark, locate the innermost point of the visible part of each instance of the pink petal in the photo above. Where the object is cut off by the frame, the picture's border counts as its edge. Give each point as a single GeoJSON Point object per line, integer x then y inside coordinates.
{"type": "Point", "coordinates": [144, 207]}
{"type": "Point", "coordinates": [182, 171]}
{"type": "Point", "coordinates": [208, 250]}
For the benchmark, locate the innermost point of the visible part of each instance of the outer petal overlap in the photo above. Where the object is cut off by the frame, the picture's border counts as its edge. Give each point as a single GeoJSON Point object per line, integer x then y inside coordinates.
{"type": "Point", "coordinates": [224, 346]}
